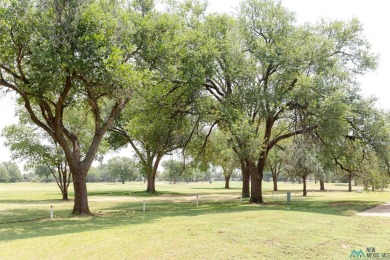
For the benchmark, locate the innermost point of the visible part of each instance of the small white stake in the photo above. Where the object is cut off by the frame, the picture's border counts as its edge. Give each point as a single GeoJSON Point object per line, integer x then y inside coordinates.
{"type": "Point", "coordinates": [144, 208]}
{"type": "Point", "coordinates": [197, 200]}
{"type": "Point", "coordinates": [51, 212]}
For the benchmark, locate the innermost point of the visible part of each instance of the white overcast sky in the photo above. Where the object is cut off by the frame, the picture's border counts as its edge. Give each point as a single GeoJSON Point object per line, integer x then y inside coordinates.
{"type": "Point", "coordinates": [373, 14]}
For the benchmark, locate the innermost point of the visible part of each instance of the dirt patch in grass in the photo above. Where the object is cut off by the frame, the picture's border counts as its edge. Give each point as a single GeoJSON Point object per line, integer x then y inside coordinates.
{"type": "Point", "coordinates": [272, 243]}
{"type": "Point", "coordinates": [345, 245]}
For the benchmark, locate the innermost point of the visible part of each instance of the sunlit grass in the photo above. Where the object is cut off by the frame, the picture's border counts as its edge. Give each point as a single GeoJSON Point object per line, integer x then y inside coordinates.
{"type": "Point", "coordinates": [320, 226]}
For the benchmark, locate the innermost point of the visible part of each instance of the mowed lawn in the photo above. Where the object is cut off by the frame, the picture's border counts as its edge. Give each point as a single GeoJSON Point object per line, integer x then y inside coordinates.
{"type": "Point", "coordinates": [320, 226]}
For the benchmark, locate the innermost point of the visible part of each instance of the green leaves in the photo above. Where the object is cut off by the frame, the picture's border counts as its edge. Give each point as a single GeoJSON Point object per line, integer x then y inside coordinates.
{"type": "Point", "coordinates": [9, 172]}
{"type": "Point", "coordinates": [123, 168]}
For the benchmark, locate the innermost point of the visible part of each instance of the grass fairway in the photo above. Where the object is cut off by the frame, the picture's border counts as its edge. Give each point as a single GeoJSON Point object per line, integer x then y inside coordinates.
{"type": "Point", "coordinates": [320, 226]}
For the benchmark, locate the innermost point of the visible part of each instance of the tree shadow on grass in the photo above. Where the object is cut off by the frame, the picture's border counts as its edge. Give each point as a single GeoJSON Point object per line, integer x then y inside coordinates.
{"type": "Point", "coordinates": [133, 193]}
{"type": "Point", "coordinates": [38, 223]}
{"type": "Point", "coordinates": [37, 202]}
{"type": "Point", "coordinates": [327, 207]}
{"type": "Point", "coordinates": [139, 194]}
{"type": "Point", "coordinates": [214, 188]}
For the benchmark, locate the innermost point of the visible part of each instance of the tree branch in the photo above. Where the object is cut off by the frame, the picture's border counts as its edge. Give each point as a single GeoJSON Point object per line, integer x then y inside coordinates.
{"type": "Point", "coordinates": [285, 136]}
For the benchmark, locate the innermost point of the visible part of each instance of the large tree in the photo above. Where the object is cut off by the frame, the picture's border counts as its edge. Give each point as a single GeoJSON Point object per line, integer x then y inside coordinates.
{"type": "Point", "coordinates": [64, 57]}
{"type": "Point", "coordinates": [273, 80]}
{"type": "Point", "coordinates": [362, 141]}
{"type": "Point", "coordinates": [161, 118]}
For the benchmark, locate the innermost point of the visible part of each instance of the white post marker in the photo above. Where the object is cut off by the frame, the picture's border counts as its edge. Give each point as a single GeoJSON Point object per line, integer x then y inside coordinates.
{"type": "Point", "coordinates": [51, 212]}
{"type": "Point", "coordinates": [144, 207]}
{"type": "Point", "coordinates": [197, 200]}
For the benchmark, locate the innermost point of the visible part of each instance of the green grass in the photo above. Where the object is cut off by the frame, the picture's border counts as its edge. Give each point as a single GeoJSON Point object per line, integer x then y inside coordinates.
{"type": "Point", "coordinates": [320, 226]}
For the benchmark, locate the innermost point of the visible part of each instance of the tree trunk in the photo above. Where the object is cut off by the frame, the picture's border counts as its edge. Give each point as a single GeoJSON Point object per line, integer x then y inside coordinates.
{"type": "Point", "coordinates": [152, 176]}
{"type": "Point", "coordinates": [245, 179]}
{"type": "Point", "coordinates": [65, 195]}
{"type": "Point", "coordinates": [256, 182]}
{"type": "Point", "coordinates": [65, 184]}
{"type": "Point", "coordinates": [304, 186]}
{"type": "Point", "coordinates": [275, 180]}
{"type": "Point", "coordinates": [227, 181]}
{"type": "Point", "coordinates": [322, 185]}
{"type": "Point", "coordinates": [64, 189]}
{"type": "Point", "coordinates": [350, 182]}
{"type": "Point", "coordinates": [80, 191]}
{"type": "Point", "coordinates": [151, 182]}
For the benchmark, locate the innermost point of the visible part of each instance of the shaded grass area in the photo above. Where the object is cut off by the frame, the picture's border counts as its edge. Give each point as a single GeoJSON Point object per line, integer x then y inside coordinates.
{"type": "Point", "coordinates": [322, 225]}
{"type": "Point", "coordinates": [132, 193]}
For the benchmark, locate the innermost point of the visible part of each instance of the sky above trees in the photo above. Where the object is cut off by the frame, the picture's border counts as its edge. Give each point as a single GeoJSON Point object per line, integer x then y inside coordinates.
{"type": "Point", "coordinates": [372, 14]}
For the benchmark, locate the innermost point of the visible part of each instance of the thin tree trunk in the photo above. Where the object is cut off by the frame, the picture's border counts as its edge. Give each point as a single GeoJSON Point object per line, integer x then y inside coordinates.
{"type": "Point", "coordinates": [227, 181]}
{"type": "Point", "coordinates": [350, 182]}
{"type": "Point", "coordinates": [275, 180]}
{"type": "Point", "coordinates": [64, 185]}
{"type": "Point", "coordinates": [245, 179]}
{"type": "Point", "coordinates": [65, 194]}
{"type": "Point", "coordinates": [304, 186]}
{"type": "Point", "coordinates": [275, 170]}
{"type": "Point", "coordinates": [322, 185]}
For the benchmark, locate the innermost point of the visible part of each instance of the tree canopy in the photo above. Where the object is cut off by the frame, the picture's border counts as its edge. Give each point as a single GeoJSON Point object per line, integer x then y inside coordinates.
{"type": "Point", "coordinates": [71, 59]}
{"type": "Point", "coordinates": [163, 78]}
